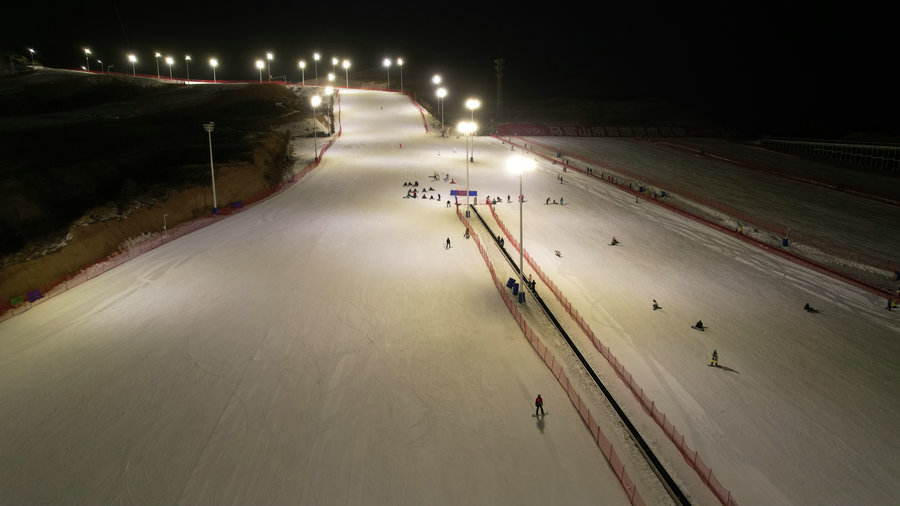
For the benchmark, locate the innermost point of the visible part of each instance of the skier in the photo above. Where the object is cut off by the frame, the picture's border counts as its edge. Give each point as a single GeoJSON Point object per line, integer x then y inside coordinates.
{"type": "Point", "coordinates": [715, 359]}
{"type": "Point", "coordinates": [560, 201]}
{"type": "Point", "coordinates": [890, 304]}
{"type": "Point", "coordinates": [699, 324]}
{"type": "Point", "coordinates": [539, 405]}
{"type": "Point", "coordinates": [548, 201]}
{"type": "Point", "coordinates": [467, 233]}
{"type": "Point", "coordinates": [508, 199]}
{"type": "Point", "coordinates": [655, 305]}
{"type": "Point", "coordinates": [448, 243]}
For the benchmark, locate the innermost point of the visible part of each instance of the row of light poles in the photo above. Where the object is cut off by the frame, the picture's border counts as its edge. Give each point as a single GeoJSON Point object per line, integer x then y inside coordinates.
{"type": "Point", "coordinates": [387, 62]}
{"type": "Point", "coordinates": [213, 62]}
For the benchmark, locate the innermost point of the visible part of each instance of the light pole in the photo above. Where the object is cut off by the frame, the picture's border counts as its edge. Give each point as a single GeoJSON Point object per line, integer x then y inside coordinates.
{"type": "Point", "coordinates": [387, 65]}
{"type": "Point", "coordinates": [269, 57]}
{"type": "Point", "coordinates": [302, 65]}
{"type": "Point", "coordinates": [316, 57]}
{"type": "Point", "coordinates": [472, 104]}
{"type": "Point", "coordinates": [400, 64]}
{"type": "Point", "coordinates": [100, 64]}
{"type": "Point", "coordinates": [260, 65]}
{"type": "Point", "coordinates": [214, 63]}
{"type": "Point", "coordinates": [157, 55]}
{"type": "Point", "coordinates": [32, 56]}
{"type": "Point", "coordinates": [87, 62]}
{"type": "Point", "coordinates": [441, 93]}
{"type": "Point", "coordinates": [346, 65]}
{"type": "Point", "coordinates": [334, 62]}
{"type": "Point", "coordinates": [164, 222]}
{"type": "Point", "coordinates": [467, 127]}
{"type": "Point", "coordinates": [187, 66]}
{"type": "Point", "coordinates": [169, 62]}
{"type": "Point", "coordinates": [212, 173]}
{"type": "Point", "coordinates": [315, 101]}
{"type": "Point", "coordinates": [330, 79]}
{"type": "Point", "coordinates": [133, 59]}
{"type": "Point", "coordinates": [519, 165]}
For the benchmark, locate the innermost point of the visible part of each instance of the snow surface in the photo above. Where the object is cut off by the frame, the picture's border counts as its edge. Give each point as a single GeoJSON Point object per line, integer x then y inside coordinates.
{"type": "Point", "coordinates": [322, 347]}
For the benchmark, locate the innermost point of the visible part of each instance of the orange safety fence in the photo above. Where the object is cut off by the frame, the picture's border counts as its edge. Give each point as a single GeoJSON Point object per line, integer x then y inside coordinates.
{"type": "Point", "coordinates": [692, 457]}
{"type": "Point", "coordinates": [556, 368]}
{"type": "Point", "coordinates": [780, 229]}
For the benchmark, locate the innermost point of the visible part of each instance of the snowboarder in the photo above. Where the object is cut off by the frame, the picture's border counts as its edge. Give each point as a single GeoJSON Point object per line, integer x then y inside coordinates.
{"type": "Point", "coordinates": [698, 326]}
{"type": "Point", "coordinates": [890, 304]}
{"type": "Point", "coordinates": [539, 405]}
{"type": "Point", "coordinates": [808, 308]}
{"type": "Point", "coordinates": [448, 243]}
{"type": "Point", "coordinates": [467, 233]}
{"type": "Point", "coordinates": [614, 241]}
{"type": "Point", "coordinates": [548, 201]}
{"type": "Point", "coordinates": [560, 201]}
{"type": "Point", "coordinates": [715, 359]}
{"type": "Point", "coordinates": [655, 305]}
{"type": "Point", "coordinates": [558, 253]}
{"type": "Point", "coordinates": [508, 199]}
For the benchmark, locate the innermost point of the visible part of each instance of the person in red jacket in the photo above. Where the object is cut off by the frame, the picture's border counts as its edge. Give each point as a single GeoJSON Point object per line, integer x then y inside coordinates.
{"type": "Point", "coordinates": [538, 405]}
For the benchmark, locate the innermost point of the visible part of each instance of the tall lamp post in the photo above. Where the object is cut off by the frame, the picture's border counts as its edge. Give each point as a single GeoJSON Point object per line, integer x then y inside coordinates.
{"type": "Point", "coordinates": [346, 65]}
{"type": "Point", "coordinates": [400, 64]}
{"type": "Point", "coordinates": [169, 62]}
{"type": "Point", "coordinates": [32, 56]}
{"type": "Point", "coordinates": [387, 65]}
{"type": "Point", "coordinates": [520, 165]}
{"type": "Point", "coordinates": [187, 66]}
{"type": "Point", "coordinates": [472, 104]}
{"type": "Point", "coordinates": [316, 57]}
{"type": "Point", "coordinates": [315, 101]}
{"type": "Point", "coordinates": [87, 62]}
{"type": "Point", "coordinates": [157, 55]}
{"type": "Point", "coordinates": [133, 59]}
{"type": "Point", "coordinates": [214, 63]}
{"type": "Point", "coordinates": [269, 57]}
{"type": "Point", "coordinates": [441, 93]}
{"type": "Point", "coordinates": [212, 173]}
{"type": "Point", "coordinates": [260, 65]}
{"type": "Point", "coordinates": [302, 65]}
{"type": "Point", "coordinates": [467, 127]}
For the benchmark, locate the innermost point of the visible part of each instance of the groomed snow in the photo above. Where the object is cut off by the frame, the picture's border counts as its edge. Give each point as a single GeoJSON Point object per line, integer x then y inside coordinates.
{"type": "Point", "coordinates": [322, 347]}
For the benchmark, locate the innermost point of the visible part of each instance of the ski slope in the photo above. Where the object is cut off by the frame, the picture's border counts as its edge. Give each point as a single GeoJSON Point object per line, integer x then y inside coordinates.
{"type": "Point", "coordinates": [323, 347]}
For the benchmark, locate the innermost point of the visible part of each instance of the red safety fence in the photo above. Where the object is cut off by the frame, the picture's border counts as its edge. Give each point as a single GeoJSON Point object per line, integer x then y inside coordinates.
{"type": "Point", "coordinates": [556, 368]}
{"type": "Point", "coordinates": [692, 457]}
{"type": "Point", "coordinates": [22, 303]}
{"type": "Point", "coordinates": [779, 229]}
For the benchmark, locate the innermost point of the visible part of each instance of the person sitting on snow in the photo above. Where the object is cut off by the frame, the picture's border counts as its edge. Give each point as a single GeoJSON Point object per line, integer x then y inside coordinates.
{"type": "Point", "coordinates": [614, 241]}
{"type": "Point", "coordinates": [699, 324]}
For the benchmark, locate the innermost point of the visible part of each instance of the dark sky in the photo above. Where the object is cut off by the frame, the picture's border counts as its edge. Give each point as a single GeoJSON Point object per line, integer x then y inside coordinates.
{"type": "Point", "coordinates": [806, 69]}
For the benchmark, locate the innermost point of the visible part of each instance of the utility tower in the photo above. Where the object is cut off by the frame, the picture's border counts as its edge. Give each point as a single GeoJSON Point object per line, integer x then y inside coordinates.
{"type": "Point", "coordinates": [498, 66]}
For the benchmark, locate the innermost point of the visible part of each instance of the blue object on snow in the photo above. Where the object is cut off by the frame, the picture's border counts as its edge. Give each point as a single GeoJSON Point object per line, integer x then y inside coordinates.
{"type": "Point", "coordinates": [521, 297]}
{"type": "Point", "coordinates": [784, 242]}
{"type": "Point", "coordinates": [511, 282]}
{"type": "Point", "coordinates": [516, 289]}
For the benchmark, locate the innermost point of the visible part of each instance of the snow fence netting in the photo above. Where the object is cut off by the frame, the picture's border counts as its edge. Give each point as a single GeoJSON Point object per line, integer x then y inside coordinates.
{"type": "Point", "coordinates": [703, 471]}
{"type": "Point", "coordinates": [556, 368]}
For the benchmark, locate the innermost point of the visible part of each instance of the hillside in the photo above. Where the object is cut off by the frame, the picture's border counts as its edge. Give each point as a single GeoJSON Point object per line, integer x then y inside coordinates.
{"type": "Point", "coordinates": [91, 160]}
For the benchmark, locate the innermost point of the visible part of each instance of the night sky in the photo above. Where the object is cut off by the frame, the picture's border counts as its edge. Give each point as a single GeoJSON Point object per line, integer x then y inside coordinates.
{"type": "Point", "coordinates": [784, 68]}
